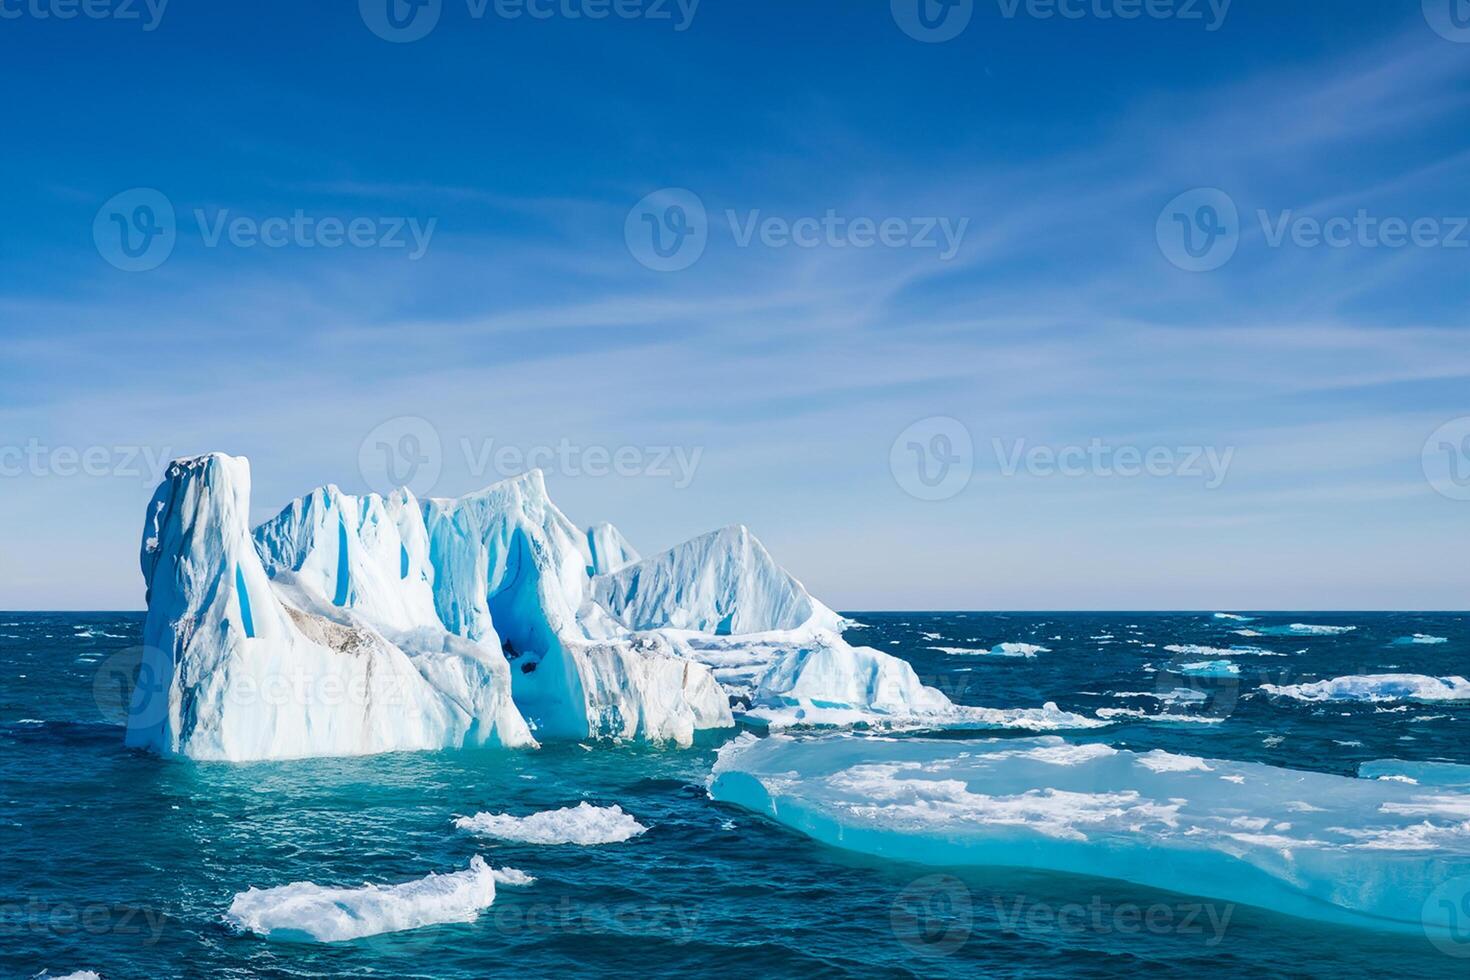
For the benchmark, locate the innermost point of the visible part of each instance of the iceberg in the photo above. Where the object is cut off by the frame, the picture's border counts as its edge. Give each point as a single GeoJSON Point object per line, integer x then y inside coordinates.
{"type": "Point", "coordinates": [1308, 844]}
{"type": "Point", "coordinates": [582, 824]}
{"type": "Point", "coordinates": [348, 625]}
{"type": "Point", "coordinates": [1376, 687]}
{"type": "Point", "coordinates": [508, 563]}
{"type": "Point", "coordinates": [610, 550]}
{"type": "Point", "coordinates": [306, 912]}
{"type": "Point", "coordinates": [238, 666]}
{"type": "Point", "coordinates": [723, 582]}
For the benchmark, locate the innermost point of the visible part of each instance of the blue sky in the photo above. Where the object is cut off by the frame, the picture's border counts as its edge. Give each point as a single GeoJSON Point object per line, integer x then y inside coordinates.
{"type": "Point", "coordinates": [1305, 403]}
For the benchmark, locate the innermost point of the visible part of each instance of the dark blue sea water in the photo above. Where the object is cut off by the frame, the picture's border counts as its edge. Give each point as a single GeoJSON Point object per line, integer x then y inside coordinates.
{"type": "Point", "coordinates": [123, 863]}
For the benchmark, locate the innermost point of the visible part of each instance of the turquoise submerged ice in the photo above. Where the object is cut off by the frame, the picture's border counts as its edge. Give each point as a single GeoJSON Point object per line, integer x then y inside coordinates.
{"type": "Point", "coordinates": [1367, 852]}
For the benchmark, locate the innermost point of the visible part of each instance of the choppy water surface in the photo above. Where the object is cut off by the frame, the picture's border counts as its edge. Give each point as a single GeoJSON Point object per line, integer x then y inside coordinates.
{"type": "Point", "coordinates": [123, 863]}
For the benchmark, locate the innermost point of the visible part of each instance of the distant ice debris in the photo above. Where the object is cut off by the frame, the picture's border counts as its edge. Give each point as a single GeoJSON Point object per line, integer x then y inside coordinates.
{"type": "Point", "coordinates": [1234, 618]}
{"type": "Point", "coordinates": [583, 824]}
{"type": "Point", "coordinates": [1422, 639]}
{"type": "Point", "coordinates": [1364, 852]}
{"type": "Point", "coordinates": [1297, 629]}
{"type": "Point", "coordinates": [1171, 717]}
{"type": "Point", "coordinates": [1196, 650]}
{"type": "Point", "coordinates": [1377, 687]}
{"type": "Point", "coordinates": [999, 650]}
{"type": "Point", "coordinates": [1210, 668]}
{"type": "Point", "coordinates": [303, 911]}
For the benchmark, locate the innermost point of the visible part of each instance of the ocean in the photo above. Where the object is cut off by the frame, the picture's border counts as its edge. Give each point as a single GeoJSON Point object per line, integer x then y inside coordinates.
{"type": "Point", "coordinates": [120, 862]}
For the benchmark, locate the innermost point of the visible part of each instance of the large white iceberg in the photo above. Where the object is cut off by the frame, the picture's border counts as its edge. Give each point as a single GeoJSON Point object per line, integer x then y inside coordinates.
{"type": "Point", "coordinates": [239, 667]}
{"type": "Point", "coordinates": [1308, 844]}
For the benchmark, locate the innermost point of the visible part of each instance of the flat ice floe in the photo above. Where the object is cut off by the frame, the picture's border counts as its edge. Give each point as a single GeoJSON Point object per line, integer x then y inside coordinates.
{"type": "Point", "coordinates": [1315, 845]}
{"type": "Point", "coordinates": [303, 911]}
{"type": "Point", "coordinates": [1296, 629]}
{"type": "Point", "coordinates": [1441, 775]}
{"type": "Point", "coordinates": [582, 824]}
{"type": "Point", "coordinates": [1377, 687]}
{"type": "Point", "coordinates": [1421, 639]}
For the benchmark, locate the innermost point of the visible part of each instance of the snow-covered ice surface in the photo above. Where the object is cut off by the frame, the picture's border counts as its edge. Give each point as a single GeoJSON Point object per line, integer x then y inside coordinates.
{"type": "Point", "coordinates": [307, 912]}
{"type": "Point", "coordinates": [1376, 687]}
{"type": "Point", "coordinates": [1368, 852]}
{"type": "Point", "coordinates": [582, 824]}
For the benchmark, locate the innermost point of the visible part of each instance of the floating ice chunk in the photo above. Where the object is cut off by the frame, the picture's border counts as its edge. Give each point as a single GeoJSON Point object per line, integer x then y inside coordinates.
{"type": "Point", "coordinates": [1377, 687]}
{"type": "Point", "coordinates": [830, 684]}
{"type": "Point", "coordinates": [1363, 852]}
{"type": "Point", "coordinates": [582, 824]}
{"type": "Point", "coordinates": [724, 582]}
{"type": "Point", "coordinates": [999, 650]}
{"type": "Point", "coordinates": [1234, 618]}
{"type": "Point", "coordinates": [1109, 714]}
{"type": "Point", "coordinates": [76, 975]}
{"type": "Point", "coordinates": [1297, 629]}
{"type": "Point", "coordinates": [1422, 639]}
{"type": "Point", "coordinates": [303, 911]}
{"type": "Point", "coordinates": [1210, 668]}
{"type": "Point", "coordinates": [1440, 775]}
